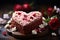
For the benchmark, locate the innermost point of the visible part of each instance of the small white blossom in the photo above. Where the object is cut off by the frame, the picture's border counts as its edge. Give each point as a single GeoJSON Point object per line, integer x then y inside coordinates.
{"type": "Point", "coordinates": [53, 34]}
{"type": "Point", "coordinates": [44, 23]}
{"type": "Point", "coordinates": [34, 32]}
{"type": "Point", "coordinates": [55, 7]}
{"type": "Point", "coordinates": [57, 10]}
{"type": "Point", "coordinates": [43, 18]}
{"type": "Point", "coordinates": [41, 26]}
{"type": "Point", "coordinates": [13, 29]}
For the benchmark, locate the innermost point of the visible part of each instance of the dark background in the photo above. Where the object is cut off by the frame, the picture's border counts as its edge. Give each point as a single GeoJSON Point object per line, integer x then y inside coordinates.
{"type": "Point", "coordinates": [7, 5]}
{"type": "Point", "coordinates": [36, 2]}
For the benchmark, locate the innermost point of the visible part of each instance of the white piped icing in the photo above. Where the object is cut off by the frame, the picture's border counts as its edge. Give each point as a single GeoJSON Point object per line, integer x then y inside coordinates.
{"type": "Point", "coordinates": [23, 18]}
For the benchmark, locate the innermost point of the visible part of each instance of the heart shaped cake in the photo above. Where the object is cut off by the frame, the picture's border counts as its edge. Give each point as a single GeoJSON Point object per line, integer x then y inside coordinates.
{"type": "Point", "coordinates": [26, 22]}
{"type": "Point", "coordinates": [24, 18]}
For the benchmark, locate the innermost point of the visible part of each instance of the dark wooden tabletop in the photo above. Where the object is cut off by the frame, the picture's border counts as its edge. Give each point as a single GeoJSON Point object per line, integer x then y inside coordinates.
{"type": "Point", "coordinates": [39, 38]}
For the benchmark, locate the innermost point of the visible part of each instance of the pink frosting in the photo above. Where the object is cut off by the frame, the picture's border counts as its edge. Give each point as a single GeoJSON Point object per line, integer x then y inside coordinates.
{"type": "Point", "coordinates": [24, 18]}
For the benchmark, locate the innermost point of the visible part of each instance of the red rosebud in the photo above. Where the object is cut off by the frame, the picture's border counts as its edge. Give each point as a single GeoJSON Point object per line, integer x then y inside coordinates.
{"type": "Point", "coordinates": [49, 11]}
{"type": "Point", "coordinates": [17, 7]}
{"type": "Point", "coordinates": [26, 6]}
{"type": "Point", "coordinates": [54, 23]}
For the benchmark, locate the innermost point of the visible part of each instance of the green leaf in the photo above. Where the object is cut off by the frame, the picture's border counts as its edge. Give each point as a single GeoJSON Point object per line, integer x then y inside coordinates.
{"type": "Point", "coordinates": [47, 20]}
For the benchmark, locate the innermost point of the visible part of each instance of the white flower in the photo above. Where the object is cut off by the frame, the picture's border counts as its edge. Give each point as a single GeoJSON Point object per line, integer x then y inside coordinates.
{"type": "Point", "coordinates": [44, 23]}
{"type": "Point", "coordinates": [41, 26]}
{"type": "Point", "coordinates": [55, 7]}
{"type": "Point", "coordinates": [57, 10]}
{"type": "Point", "coordinates": [53, 34]}
{"type": "Point", "coordinates": [43, 18]}
{"type": "Point", "coordinates": [13, 29]}
{"type": "Point", "coordinates": [34, 32]}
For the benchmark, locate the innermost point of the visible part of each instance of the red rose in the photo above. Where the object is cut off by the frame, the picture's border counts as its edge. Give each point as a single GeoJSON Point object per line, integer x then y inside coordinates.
{"type": "Point", "coordinates": [54, 23]}
{"type": "Point", "coordinates": [17, 7]}
{"type": "Point", "coordinates": [49, 11]}
{"type": "Point", "coordinates": [26, 7]}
